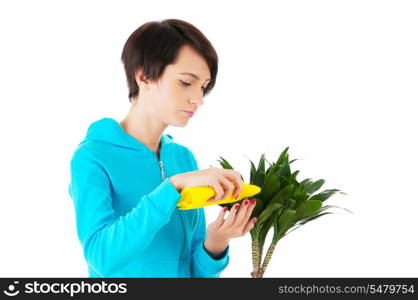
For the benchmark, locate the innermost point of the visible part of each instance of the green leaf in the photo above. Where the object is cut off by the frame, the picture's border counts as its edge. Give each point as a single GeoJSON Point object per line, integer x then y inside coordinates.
{"type": "Point", "coordinates": [259, 178]}
{"type": "Point", "coordinates": [282, 156]}
{"type": "Point", "coordinates": [270, 164]}
{"type": "Point", "coordinates": [307, 220]}
{"type": "Point", "coordinates": [252, 172]}
{"type": "Point", "coordinates": [261, 164]}
{"type": "Point", "coordinates": [287, 217]}
{"type": "Point", "coordinates": [324, 195]}
{"type": "Point", "coordinates": [307, 208]}
{"type": "Point", "coordinates": [306, 183]}
{"type": "Point", "coordinates": [272, 169]}
{"type": "Point", "coordinates": [263, 231]}
{"type": "Point", "coordinates": [266, 213]}
{"type": "Point", "coordinates": [300, 201]}
{"type": "Point", "coordinates": [285, 168]}
{"type": "Point", "coordinates": [283, 195]}
{"type": "Point", "coordinates": [263, 228]}
{"type": "Point", "coordinates": [258, 208]}
{"type": "Point", "coordinates": [314, 186]}
{"type": "Point", "coordinates": [293, 176]}
{"type": "Point", "coordinates": [299, 193]}
{"type": "Point", "coordinates": [224, 163]}
{"type": "Point", "coordinates": [270, 187]}
{"type": "Point", "coordinates": [314, 217]}
{"type": "Point", "coordinates": [325, 207]}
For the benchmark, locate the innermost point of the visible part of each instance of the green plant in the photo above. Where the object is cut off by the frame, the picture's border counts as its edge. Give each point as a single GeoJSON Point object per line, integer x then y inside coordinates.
{"type": "Point", "coordinates": [283, 204]}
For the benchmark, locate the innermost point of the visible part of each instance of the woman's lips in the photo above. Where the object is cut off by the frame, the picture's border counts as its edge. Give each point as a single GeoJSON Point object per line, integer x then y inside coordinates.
{"type": "Point", "coordinates": [188, 113]}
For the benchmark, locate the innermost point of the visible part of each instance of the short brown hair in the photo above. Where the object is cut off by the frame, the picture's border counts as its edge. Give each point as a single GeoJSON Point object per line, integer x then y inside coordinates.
{"type": "Point", "coordinates": [156, 44]}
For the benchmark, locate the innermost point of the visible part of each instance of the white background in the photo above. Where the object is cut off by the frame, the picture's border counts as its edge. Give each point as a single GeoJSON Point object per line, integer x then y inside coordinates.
{"type": "Point", "coordinates": [336, 81]}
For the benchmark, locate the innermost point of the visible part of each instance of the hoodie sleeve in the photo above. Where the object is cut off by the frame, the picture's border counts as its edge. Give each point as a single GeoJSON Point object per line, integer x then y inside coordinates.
{"type": "Point", "coordinates": [111, 242]}
{"type": "Point", "coordinates": [203, 263]}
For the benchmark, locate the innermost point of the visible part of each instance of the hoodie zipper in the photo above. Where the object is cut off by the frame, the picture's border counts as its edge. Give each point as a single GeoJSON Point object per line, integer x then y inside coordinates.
{"type": "Point", "coordinates": [160, 163]}
{"type": "Point", "coordinates": [162, 170]}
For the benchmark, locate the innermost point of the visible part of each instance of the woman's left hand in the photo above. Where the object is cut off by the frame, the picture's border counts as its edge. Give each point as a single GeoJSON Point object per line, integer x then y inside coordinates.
{"type": "Point", "coordinates": [235, 225]}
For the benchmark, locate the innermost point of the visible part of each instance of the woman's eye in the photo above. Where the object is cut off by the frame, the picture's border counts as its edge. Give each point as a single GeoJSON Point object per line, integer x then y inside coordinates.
{"type": "Point", "coordinates": [184, 83]}
{"type": "Point", "coordinates": [188, 84]}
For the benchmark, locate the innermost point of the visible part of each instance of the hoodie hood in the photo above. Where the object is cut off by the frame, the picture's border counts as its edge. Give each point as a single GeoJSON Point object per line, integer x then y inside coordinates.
{"type": "Point", "coordinates": [109, 131]}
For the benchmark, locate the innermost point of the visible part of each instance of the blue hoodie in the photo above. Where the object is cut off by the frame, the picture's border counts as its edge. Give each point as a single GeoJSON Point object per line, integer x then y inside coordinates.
{"type": "Point", "coordinates": [125, 207]}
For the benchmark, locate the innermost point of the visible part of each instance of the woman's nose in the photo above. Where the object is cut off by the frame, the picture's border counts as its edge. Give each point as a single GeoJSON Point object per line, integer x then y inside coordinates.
{"type": "Point", "coordinates": [197, 100]}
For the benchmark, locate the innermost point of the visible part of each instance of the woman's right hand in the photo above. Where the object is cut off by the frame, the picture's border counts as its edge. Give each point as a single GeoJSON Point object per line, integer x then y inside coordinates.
{"type": "Point", "coordinates": [223, 181]}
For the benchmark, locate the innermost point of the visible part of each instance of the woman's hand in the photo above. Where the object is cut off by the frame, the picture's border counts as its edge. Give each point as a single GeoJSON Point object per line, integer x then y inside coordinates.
{"type": "Point", "coordinates": [223, 181]}
{"type": "Point", "coordinates": [236, 224]}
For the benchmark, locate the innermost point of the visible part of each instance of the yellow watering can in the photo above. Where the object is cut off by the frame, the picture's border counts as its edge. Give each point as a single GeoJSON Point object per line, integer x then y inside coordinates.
{"type": "Point", "coordinates": [198, 196]}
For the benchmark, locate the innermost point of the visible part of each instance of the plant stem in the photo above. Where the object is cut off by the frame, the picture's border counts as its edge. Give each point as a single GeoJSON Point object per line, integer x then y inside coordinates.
{"type": "Point", "coordinates": [256, 254]}
{"type": "Point", "coordinates": [256, 257]}
{"type": "Point", "coordinates": [254, 250]}
{"type": "Point", "coordinates": [267, 259]}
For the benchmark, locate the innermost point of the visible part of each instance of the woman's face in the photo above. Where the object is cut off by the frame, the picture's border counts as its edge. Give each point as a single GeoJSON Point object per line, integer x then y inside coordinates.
{"type": "Point", "coordinates": [179, 89]}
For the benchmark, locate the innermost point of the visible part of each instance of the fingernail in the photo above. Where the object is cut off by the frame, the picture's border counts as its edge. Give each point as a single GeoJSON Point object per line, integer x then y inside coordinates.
{"type": "Point", "coordinates": [225, 208]}
{"type": "Point", "coordinates": [246, 202]}
{"type": "Point", "coordinates": [236, 206]}
{"type": "Point", "coordinates": [253, 201]}
{"type": "Point", "coordinates": [255, 220]}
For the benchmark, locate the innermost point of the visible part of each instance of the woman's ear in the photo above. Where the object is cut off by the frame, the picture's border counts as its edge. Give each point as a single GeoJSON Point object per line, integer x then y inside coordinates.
{"type": "Point", "coordinates": [141, 80]}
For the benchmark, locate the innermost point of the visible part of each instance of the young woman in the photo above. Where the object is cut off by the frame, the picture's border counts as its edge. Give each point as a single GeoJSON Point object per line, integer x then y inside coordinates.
{"type": "Point", "coordinates": [127, 176]}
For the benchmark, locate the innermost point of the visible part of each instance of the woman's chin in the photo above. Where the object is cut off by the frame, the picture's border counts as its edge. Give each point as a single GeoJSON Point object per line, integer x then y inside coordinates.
{"type": "Point", "coordinates": [180, 123]}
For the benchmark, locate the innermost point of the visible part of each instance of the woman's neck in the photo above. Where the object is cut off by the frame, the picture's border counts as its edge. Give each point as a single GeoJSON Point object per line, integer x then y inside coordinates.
{"type": "Point", "coordinates": [146, 130]}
